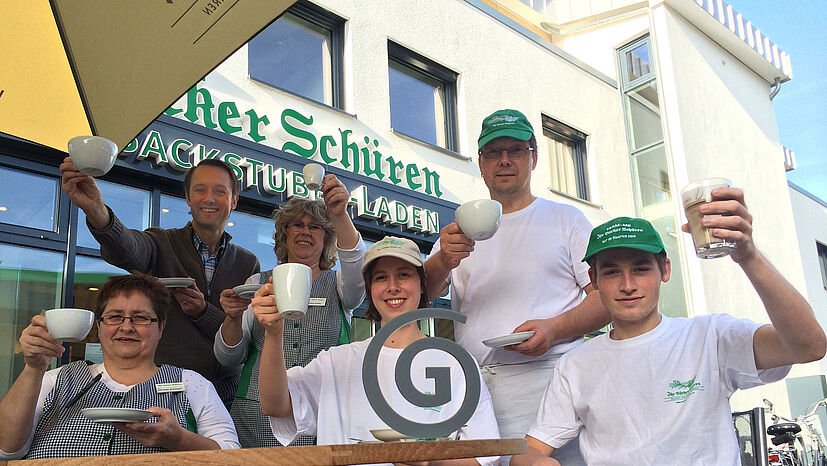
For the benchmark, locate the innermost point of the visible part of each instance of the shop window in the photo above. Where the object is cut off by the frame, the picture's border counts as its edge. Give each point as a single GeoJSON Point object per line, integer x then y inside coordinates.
{"type": "Point", "coordinates": [30, 283]}
{"type": "Point", "coordinates": [567, 158]}
{"type": "Point", "coordinates": [28, 200]}
{"type": "Point", "coordinates": [301, 53]}
{"type": "Point", "coordinates": [822, 262]}
{"type": "Point", "coordinates": [422, 97]}
{"type": "Point", "coordinates": [131, 205]}
{"type": "Point", "coordinates": [90, 274]}
{"type": "Point", "coordinates": [252, 232]}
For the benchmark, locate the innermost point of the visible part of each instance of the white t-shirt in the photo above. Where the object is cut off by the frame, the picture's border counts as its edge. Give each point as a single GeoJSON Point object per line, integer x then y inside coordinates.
{"type": "Point", "coordinates": [329, 398]}
{"type": "Point", "coordinates": [659, 398]}
{"type": "Point", "coordinates": [530, 269]}
{"type": "Point", "coordinates": [211, 417]}
{"type": "Point", "coordinates": [349, 285]}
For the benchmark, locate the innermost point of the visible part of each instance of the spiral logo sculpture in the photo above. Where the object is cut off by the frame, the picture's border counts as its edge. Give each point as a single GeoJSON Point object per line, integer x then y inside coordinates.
{"type": "Point", "coordinates": [440, 374]}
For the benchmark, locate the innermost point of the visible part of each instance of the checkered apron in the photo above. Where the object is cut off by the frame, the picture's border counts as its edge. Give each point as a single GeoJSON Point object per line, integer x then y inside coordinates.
{"type": "Point", "coordinates": [62, 433]}
{"type": "Point", "coordinates": [303, 339]}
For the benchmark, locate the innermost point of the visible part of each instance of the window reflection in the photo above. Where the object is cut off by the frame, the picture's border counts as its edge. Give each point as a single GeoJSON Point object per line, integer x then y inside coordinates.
{"type": "Point", "coordinates": [90, 274]}
{"type": "Point", "coordinates": [131, 205]}
{"type": "Point", "coordinates": [637, 62]}
{"type": "Point", "coordinates": [295, 55]}
{"type": "Point", "coordinates": [30, 283]}
{"type": "Point", "coordinates": [417, 104]}
{"type": "Point", "coordinates": [28, 200]}
{"type": "Point", "coordinates": [653, 178]}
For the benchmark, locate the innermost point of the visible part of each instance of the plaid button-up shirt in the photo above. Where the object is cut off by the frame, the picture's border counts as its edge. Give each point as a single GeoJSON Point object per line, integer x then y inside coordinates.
{"type": "Point", "coordinates": [209, 261]}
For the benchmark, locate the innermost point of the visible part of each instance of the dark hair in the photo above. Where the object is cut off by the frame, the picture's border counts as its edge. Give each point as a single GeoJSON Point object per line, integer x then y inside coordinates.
{"type": "Point", "coordinates": [660, 258]}
{"type": "Point", "coordinates": [316, 210]}
{"type": "Point", "coordinates": [211, 163]}
{"type": "Point", "coordinates": [372, 313]}
{"type": "Point", "coordinates": [145, 284]}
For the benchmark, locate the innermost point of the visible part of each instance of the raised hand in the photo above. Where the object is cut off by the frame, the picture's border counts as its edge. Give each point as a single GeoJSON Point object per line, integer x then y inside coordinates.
{"type": "Point", "coordinates": [84, 193]}
{"type": "Point", "coordinates": [38, 346]}
{"type": "Point", "coordinates": [336, 195]}
{"type": "Point", "coordinates": [265, 309]}
{"type": "Point", "coordinates": [727, 217]}
{"type": "Point", "coordinates": [454, 245]}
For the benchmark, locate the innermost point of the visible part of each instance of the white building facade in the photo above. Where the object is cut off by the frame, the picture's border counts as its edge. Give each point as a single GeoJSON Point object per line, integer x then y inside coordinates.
{"type": "Point", "coordinates": [629, 100]}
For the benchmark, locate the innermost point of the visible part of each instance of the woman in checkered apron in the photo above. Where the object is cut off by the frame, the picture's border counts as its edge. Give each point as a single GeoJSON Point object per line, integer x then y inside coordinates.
{"type": "Point", "coordinates": [43, 411]}
{"type": "Point", "coordinates": [313, 233]}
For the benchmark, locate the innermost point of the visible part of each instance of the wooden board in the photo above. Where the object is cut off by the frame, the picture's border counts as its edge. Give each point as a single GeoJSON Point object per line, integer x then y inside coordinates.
{"type": "Point", "coordinates": [315, 455]}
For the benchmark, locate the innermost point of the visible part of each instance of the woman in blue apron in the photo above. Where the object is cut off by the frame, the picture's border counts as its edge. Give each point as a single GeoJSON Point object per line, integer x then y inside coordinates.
{"type": "Point", "coordinates": [46, 413]}
{"type": "Point", "coordinates": [313, 233]}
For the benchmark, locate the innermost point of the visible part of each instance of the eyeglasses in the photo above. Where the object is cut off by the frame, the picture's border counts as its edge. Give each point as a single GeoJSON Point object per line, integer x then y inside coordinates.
{"type": "Point", "coordinates": [516, 153]}
{"type": "Point", "coordinates": [117, 319]}
{"type": "Point", "coordinates": [313, 227]}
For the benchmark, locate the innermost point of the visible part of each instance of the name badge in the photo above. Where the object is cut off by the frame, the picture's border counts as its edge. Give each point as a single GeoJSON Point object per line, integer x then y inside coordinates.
{"type": "Point", "coordinates": [318, 301]}
{"type": "Point", "coordinates": [169, 387]}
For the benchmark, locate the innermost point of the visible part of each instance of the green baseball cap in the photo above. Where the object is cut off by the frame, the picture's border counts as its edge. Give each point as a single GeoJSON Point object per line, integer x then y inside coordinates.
{"type": "Point", "coordinates": [505, 123]}
{"type": "Point", "coordinates": [624, 232]}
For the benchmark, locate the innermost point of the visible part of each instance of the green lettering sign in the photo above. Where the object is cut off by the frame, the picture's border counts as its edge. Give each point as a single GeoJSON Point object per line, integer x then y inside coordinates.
{"type": "Point", "coordinates": [292, 130]}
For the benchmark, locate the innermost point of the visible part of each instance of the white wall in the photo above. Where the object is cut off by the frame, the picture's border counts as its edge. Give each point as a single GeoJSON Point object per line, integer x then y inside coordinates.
{"type": "Point", "coordinates": [811, 223]}
{"type": "Point", "coordinates": [498, 68]}
{"type": "Point", "coordinates": [596, 46]}
{"type": "Point", "coordinates": [719, 121]}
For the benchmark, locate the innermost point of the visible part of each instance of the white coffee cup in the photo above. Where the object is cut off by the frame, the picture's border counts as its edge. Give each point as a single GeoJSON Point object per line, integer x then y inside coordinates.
{"type": "Point", "coordinates": [68, 324]}
{"type": "Point", "coordinates": [313, 176]}
{"type": "Point", "coordinates": [92, 155]}
{"type": "Point", "coordinates": [479, 219]}
{"type": "Point", "coordinates": [291, 287]}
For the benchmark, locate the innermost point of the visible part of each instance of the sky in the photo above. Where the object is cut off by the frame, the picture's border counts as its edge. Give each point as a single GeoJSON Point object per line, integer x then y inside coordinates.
{"type": "Point", "coordinates": [799, 27]}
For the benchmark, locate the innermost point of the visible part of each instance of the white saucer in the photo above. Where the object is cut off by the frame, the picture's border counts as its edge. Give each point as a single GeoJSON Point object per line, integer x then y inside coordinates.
{"type": "Point", "coordinates": [116, 414]}
{"type": "Point", "coordinates": [176, 282]}
{"type": "Point", "coordinates": [510, 339]}
{"type": "Point", "coordinates": [389, 435]}
{"type": "Point", "coordinates": [247, 291]}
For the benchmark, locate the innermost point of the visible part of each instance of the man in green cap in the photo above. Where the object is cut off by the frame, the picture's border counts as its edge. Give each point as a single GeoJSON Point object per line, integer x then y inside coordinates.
{"type": "Point", "coordinates": [523, 279]}
{"type": "Point", "coordinates": [655, 390]}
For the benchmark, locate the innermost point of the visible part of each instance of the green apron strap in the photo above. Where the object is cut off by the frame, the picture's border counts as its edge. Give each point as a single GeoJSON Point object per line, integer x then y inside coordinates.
{"type": "Point", "coordinates": [247, 371]}
{"type": "Point", "coordinates": [192, 426]}
{"type": "Point", "coordinates": [344, 327]}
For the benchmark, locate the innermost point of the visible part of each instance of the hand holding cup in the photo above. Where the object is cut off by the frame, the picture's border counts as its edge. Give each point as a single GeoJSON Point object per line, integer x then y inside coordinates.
{"type": "Point", "coordinates": [726, 218]}
{"type": "Point", "coordinates": [265, 308]}
{"type": "Point", "coordinates": [696, 197]}
{"type": "Point", "coordinates": [454, 246]}
{"type": "Point", "coordinates": [38, 346]}
{"type": "Point", "coordinates": [336, 195]}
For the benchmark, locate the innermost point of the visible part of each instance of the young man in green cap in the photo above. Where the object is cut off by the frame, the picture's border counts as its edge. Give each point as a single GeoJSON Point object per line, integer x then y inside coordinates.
{"type": "Point", "coordinates": [655, 390]}
{"type": "Point", "coordinates": [524, 278]}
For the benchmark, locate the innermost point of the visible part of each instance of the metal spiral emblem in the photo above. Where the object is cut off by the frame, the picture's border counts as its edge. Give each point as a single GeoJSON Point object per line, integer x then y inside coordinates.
{"type": "Point", "coordinates": [440, 374]}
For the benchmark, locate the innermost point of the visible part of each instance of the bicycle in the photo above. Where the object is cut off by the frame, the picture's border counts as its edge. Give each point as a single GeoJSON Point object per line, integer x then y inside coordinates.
{"type": "Point", "coordinates": [800, 441]}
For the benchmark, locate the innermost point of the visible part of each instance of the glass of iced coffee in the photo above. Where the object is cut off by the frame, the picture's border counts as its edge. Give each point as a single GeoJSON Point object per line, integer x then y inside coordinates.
{"type": "Point", "coordinates": [693, 197]}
